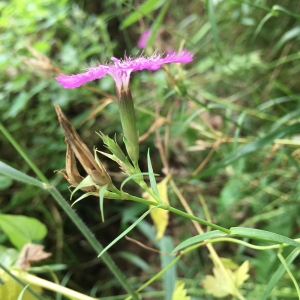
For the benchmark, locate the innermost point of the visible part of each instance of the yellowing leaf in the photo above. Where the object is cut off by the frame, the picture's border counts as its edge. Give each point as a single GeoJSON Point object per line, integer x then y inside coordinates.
{"type": "Point", "coordinates": [241, 274]}
{"type": "Point", "coordinates": [160, 216]}
{"type": "Point", "coordinates": [10, 290]}
{"type": "Point", "coordinates": [228, 263]}
{"type": "Point", "coordinates": [179, 292]}
{"type": "Point", "coordinates": [219, 286]}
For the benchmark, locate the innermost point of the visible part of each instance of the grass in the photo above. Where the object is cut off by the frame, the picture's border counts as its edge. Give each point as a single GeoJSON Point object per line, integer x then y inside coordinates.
{"type": "Point", "coordinates": [225, 126]}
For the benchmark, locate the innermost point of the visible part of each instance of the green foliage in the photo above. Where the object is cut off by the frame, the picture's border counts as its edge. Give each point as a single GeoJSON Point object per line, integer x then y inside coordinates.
{"type": "Point", "coordinates": [21, 230]}
{"type": "Point", "coordinates": [228, 134]}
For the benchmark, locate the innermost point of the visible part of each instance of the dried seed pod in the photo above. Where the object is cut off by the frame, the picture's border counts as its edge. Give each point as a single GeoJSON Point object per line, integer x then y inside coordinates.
{"type": "Point", "coordinates": [82, 153]}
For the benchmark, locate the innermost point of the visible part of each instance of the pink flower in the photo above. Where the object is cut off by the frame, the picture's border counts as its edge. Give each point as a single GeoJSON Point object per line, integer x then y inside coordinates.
{"type": "Point", "coordinates": [142, 42]}
{"type": "Point", "coordinates": [120, 70]}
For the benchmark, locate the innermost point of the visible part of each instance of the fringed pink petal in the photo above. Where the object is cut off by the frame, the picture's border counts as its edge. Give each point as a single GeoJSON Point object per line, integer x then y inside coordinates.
{"type": "Point", "coordinates": [74, 81]}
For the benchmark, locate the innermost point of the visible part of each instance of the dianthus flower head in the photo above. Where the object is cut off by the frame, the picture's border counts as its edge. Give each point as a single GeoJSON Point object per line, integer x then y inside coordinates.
{"type": "Point", "coordinates": [120, 70]}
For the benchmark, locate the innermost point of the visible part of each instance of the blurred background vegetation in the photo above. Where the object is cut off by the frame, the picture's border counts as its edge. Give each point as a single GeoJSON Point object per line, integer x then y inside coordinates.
{"type": "Point", "coordinates": [242, 84]}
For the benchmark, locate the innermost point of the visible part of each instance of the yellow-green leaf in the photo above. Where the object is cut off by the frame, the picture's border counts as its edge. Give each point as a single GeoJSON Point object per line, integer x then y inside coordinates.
{"type": "Point", "coordinates": [217, 285]}
{"type": "Point", "coordinates": [241, 274]}
{"type": "Point", "coordinates": [179, 292]}
{"type": "Point", "coordinates": [160, 216]}
{"type": "Point", "coordinates": [10, 290]}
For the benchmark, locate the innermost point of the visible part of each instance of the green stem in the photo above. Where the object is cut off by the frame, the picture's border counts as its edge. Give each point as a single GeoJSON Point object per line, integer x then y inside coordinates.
{"type": "Point", "coordinates": [159, 274]}
{"type": "Point", "coordinates": [186, 215]}
{"type": "Point", "coordinates": [23, 154]}
{"type": "Point", "coordinates": [281, 258]}
{"type": "Point", "coordinates": [92, 240]}
{"type": "Point", "coordinates": [261, 248]}
{"type": "Point", "coordinates": [137, 199]}
{"type": "Point", "coordinates": [172, 209]}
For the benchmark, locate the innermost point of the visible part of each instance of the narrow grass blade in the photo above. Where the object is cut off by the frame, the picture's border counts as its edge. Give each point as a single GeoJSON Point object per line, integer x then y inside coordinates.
{"type": "Point", "coordinates": [170, 276]}
{"type": "Point", "coordinates": [283, 262]}
{"type": "Point", "coordinates": [137, 261]}
{"type": "Point", "coordinates": [260, 25]}
{"type": "Point", "coordinates": [19, 176]}
{"type": "Point", "coordinates": [252, 147]}
{"type": "Point", "coordinates": [22, 292]}
{"type": "Point", "coordinates": [214, 26]}
{"type": "Point", "coordinates": [101, 200]}
{"type": "Point", "coordinates": [285, 11]}
{"type": "Point", "coordinates": [127, 230]}
{"type": "Point", "coordinates": [158, 21]}
{"type": "Point", "coordinates": [198, 239]}
{"type": "Point", "coordinates": [146, 8]}
{"type": "Point", "coordinates": [151, 176]}
{"type": "Point", "coordinates": [278, 274]}
{"type": "Point", "coordinates": [258, 234]}
{"type": "Point", "coordinates": [293, 33]}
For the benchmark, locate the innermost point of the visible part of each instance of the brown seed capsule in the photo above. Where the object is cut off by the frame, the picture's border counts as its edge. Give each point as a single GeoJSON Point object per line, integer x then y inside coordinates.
{"type": "Point", "coordinates": [82, 153]}
{"type": "Point", "coordinates": [72, 175]}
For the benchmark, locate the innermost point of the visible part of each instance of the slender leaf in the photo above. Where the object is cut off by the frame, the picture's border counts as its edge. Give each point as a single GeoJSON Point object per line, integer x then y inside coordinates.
{"type": "Point", "coordinates": [127, 230]}
{"type": "Point", "coordinates": [133, 176]}
{"type": "Point", "coordinates": [87, 181]}
{"type": "Point", "coordinates": [261, 24]}
{"type": "Point", "coordinates": [284, 10]}
{"type": "Point", "coordinates": [151, 176]}
{"type": "Point", "coordinates": [259, 234]}
{"type": "Point", "coordinates": [137, 261]}
{"type": "Point", "coordinates": [294, 32]}
{"type": "Point", "coordinates": [22, 292]}
{"type": "Point", "coordinates": [278, 274]}
{"type": "Point", "coordinates": [198, 239]}
{"type": "Point", "coordinates": [158, 21]}
{"type": "Point", "coordinates": [17, 175]}
{"type": "Point", "coordinates": [146, 8]}
{"type": "Point", "coordinates": [82, 197]}
{"type": "Point", "coordinates": [212, 19]}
